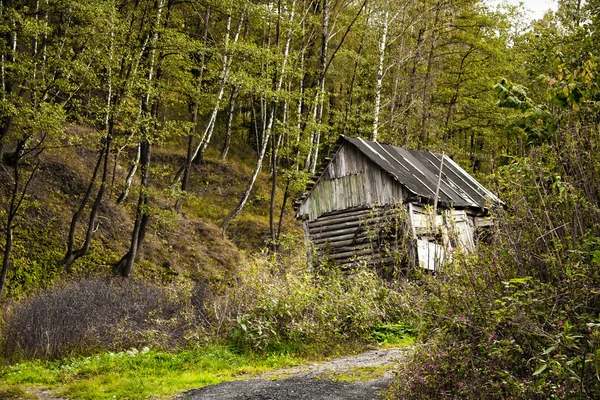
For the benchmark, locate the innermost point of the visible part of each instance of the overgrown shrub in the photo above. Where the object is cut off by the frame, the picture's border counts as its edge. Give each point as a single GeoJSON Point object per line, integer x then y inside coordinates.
{"type": "Point", "coordinates": [519, 319]}
{"type": "Point", "coordinates": [269, 307]}
{"type": "Point", "coordinates": [93, 315]}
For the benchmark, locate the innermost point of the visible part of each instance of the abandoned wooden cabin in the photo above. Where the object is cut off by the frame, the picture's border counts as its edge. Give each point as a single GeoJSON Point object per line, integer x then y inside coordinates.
{"type": "Point", "coordinates": [366, 186]}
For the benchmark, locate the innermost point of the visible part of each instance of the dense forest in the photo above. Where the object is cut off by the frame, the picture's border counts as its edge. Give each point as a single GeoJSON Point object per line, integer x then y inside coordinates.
{"type": "Point", "coordinates": [161, 143]}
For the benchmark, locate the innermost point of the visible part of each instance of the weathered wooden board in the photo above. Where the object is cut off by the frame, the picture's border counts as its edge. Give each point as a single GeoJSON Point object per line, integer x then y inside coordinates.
{"type": "Point", "coordinates": [350, 180]}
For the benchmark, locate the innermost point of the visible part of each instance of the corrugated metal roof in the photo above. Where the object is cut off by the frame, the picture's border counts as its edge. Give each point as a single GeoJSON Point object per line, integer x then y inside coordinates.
{"type": "Point", "coordinates": [418, 171]}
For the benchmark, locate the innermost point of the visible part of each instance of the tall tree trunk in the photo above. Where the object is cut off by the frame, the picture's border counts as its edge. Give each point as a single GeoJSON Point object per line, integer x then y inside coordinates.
{"type": "Point", "coordinates": [379, 81]}
{"type": "Point", "coordinates": [227, 60]}
{"type": "Point", "coordinates": [190, 151]}
{"type": "Point", "coordinates": [274, 140]}
{"type": "Point", "coordinates": [320, 95]}
{"type": "Point", "coordinates": [455, 95]}
{"type": "Point", "coordinates": [125, 265]}
{"type": "Point", "coordinates": [230, 114]}
{"type": "Point", "coordinates": [273, 189]}
{"type": "Point", "coordinates": [352, 84]}
{"type": "Point", "coordinates": [73, 256]}
{"type": "Point", "coordinates": [324, 65]}
{"type": "Point", "coordinates": [79, 213]}
{"type": "Point", "coordinates": [399, 66]}
{"type": "Point", "coordinates": [16, 199]}
{"type": "Point", "coordinates": [423, 133]}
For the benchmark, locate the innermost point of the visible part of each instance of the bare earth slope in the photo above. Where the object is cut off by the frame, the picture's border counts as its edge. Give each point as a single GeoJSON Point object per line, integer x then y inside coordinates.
{"type": "Point", "coordinates": [372, 372]}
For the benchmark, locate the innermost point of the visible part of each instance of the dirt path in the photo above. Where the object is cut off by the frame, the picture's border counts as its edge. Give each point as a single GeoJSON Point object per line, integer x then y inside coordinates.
{"type": "Point", "coordinates": [360, 377]}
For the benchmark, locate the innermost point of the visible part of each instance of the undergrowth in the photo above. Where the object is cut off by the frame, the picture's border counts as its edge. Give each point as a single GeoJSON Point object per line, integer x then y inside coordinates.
{"type": "Point", "coordinates": [519, 319]}
{"type": "Point", "coordinates": [109, 337]}
{"type": "Point", "coordinates": [270, 306]}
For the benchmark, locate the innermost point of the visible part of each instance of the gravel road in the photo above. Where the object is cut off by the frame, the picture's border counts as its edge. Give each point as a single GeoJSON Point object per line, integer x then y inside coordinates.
{"type": "Point", "coordinates": [319, 381]}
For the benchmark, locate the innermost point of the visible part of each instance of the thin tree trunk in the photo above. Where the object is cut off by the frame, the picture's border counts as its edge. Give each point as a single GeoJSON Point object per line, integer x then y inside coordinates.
{"type": "Point", "coordinates": [8, 238]}
{"type": "Point", "coordinates": [423, 134]}
{"type": "Point", "coordinates": [16, 199]}
{"type": "Point", "coordinates": [8, 244]}
{"type": "Point", "coordinates": [130, 175]}
{"type": "Point", "coordinates": [273, 189]}
{"type": "Point", "coordinates": [79, 213]}
{"type": "Point", "coordinates": [125, 265]}
{"type": "Point", "coordinates": [85, 248]}
{"type": "Point", "coordinates": [379, 81]}
{"type": "Point", "coordinates": [286, 195]}
{"type": "Point", "coordinates": [352, 83]}
{"type": "Point", "coordinates": [227, 60]}
{"type": "Point", "coordinates": [188, 159]}
{"type": "Point", "coordinates": [190, 151]}
{"type": "Point", "coordinates": [71, 256]}
{"type": "Point", "coordinates": [324, 65]}
{"type": "Point", "coordinates": [320, 97]}
{"type": "Point", "coordinates": [400, 63]}
{"type": "Point", "coordinates": [456, 93]}
{"type": "Point", "coordinates": [230, 114]}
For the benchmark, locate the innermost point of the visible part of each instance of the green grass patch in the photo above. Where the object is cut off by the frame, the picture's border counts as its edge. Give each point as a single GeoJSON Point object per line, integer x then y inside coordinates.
{"type": "Point", "coordinates": [136, 374]}
{"type": "Point", "coordinates": [10, 392]}
{"type": "Point", "coordinates": [356, 374]}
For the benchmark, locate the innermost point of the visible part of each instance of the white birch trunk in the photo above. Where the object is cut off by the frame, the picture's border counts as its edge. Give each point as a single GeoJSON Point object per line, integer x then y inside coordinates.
{"type": "Point", "coordinates": [320, 97]}
{"type": "Point", "coordinates": [379, 82]}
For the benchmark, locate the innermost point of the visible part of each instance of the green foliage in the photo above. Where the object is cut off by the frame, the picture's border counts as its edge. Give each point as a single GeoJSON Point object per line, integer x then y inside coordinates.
{"type": "Point", "coordinates": [392, 333]}
{"type": "Point", "coordinates": [518, 318]}
{"type": "Point", "coordinates": [273, 307]}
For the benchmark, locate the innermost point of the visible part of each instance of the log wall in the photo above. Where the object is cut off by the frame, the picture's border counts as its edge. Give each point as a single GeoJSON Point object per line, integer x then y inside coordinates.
{"type": "Point", "coordinates": [349, 236]}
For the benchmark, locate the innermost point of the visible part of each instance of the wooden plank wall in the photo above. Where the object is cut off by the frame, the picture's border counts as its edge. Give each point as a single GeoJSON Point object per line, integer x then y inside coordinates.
{"type": "Point", "coordinates": [350, 181]}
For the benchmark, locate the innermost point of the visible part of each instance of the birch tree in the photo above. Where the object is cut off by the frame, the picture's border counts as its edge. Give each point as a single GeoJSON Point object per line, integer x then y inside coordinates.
{"type": "Point", "coordinates": [380, 66]}
{"type": "Point", "coordinates": [277, 83]}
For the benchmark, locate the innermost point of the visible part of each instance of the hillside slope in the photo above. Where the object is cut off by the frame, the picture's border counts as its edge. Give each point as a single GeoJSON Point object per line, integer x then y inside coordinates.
{"type": "Point", "coordinates": [186, 243]}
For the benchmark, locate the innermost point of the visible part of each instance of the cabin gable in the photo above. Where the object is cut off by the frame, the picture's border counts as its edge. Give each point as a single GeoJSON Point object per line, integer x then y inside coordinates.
{"type": "Point", "coordinates": [351, 180]}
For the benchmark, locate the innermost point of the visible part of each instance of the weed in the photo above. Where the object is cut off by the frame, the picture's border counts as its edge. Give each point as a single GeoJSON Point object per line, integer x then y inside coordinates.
{"type": "Point", "coordinates": [269, 307]}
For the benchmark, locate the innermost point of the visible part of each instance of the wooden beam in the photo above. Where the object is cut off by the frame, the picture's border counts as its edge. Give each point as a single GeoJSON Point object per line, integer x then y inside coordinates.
{"type": "Point", "coordinates": [356, 236]}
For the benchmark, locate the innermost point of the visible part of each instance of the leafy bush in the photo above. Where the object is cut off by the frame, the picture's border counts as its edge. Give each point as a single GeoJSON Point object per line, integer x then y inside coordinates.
{"type": "Point", "coordinates": [100, 314]}
{"type": "Point", "coordinates": [269, 307]}
{"type": "Point", "coordinates": [519, 319]}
